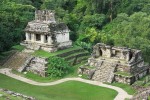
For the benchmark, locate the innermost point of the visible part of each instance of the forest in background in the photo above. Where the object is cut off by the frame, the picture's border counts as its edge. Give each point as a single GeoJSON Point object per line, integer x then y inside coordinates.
{"type": "Point", "coordinates": [114, 22]}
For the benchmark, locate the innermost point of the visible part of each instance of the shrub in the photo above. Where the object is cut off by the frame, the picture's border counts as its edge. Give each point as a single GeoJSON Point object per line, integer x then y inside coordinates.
{"type": "Point", "coordinates": [57, 67]}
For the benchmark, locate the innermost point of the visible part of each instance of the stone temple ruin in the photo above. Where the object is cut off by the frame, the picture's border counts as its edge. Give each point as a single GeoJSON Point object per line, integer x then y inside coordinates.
{"type": "Point", "coordinates": [119, 64]}
{"type": "Point", "coordinates": [45, 33]}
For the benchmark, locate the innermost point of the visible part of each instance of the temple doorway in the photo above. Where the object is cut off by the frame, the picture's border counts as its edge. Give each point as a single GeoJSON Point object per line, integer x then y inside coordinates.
{"type": "Point", "coordinates": [38, 37]}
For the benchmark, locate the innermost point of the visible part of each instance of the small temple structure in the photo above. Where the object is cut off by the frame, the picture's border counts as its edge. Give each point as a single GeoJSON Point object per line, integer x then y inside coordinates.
{"type": "Point", "coordinates": [46, 33]}
{"type": "Point", "coordinates": [110, 63]}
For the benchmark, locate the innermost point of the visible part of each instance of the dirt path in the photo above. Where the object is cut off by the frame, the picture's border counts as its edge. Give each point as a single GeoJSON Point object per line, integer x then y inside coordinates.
{"type": "Point", "coordinates": [121, 93]}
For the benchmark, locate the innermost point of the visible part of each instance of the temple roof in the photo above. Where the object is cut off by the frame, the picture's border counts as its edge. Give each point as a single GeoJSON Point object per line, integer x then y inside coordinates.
{"type": "Point", "coordinates": [45, 23]}
{"type": "Point", "coordinates": [46, 16]}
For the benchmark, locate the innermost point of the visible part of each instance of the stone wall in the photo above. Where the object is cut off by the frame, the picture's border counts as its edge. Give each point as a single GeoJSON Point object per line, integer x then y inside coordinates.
{"type": "Point", "coordinates": [123, 68]}
{"type": "Point", "coordinates": [124, 79]}
{"type": "Point", "coordinates": [64, 45]}
{"type": "Point", "coordinates": [38, 66]}
{"type": "Point", "coordinates": [63, 37]}
{"type": "Point", "coordinates": [130, 79]}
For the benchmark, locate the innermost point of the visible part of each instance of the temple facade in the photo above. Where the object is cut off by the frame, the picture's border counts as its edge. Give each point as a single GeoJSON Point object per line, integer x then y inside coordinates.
{"type": "Point", "coordinates": [46, 33]}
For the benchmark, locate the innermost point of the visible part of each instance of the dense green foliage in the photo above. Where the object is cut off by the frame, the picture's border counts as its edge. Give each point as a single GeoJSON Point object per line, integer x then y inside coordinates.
{"type": "Point", "coordinates": [115, 22]}
{"type": "Point", "coordinates": [13, 19]}
{"type": "Point", "coordinates": [57, 67]}
{"type": "Point", "coordinates": [130, 31]}
{"type": "Point", "coordinates": [71, 90]}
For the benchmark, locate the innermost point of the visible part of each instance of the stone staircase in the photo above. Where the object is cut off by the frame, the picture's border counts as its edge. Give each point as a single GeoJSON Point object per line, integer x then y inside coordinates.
{"type": "Point", "coordinates": [17, 60]}
{"type": "Point", "coordinates": [104, 73]}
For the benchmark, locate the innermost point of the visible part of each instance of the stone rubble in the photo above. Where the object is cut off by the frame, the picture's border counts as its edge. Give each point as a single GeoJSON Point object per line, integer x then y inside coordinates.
{"type": "Point", "coordinates": [17, 94]}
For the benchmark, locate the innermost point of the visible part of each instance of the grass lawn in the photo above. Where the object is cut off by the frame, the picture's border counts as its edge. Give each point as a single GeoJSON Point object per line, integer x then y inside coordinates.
{"type": "Point", "coordinates": [43, 53]}
{"type": "Point", "coordinates": [126, 87]}
{"type": "Point", "coordinates": [71, 90]}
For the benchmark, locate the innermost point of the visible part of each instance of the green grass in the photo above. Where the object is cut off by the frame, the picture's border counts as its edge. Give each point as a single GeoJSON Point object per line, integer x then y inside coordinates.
{"type": "Point", "coordinates": [71, 90]}
{"type": "Point", "coordinates": [35, 77]}
{"type": "Point", "coordinates": [75, 54]}
{"type": "Point", "coordinates": [126, 87]}
{"type": "Point", "coordinates": [124, 74]}
{"type": "Point", "coordinates": [8, 97]}
{"type": "Point", "coordinates": [149, 98]}
{"type": "Point", "coordinates": [18, 47]}
{"type": "Point", "coordinates": [43, 53]}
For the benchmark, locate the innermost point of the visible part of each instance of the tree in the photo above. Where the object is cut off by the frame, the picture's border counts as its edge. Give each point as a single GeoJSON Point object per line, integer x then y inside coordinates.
{"type": "Point", "coordinates": [14, 18]}
{"type": "Point", "coordinates": [96, 20]}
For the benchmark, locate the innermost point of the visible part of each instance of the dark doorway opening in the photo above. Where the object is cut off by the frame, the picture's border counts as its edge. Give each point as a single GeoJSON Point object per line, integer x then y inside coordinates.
{"type": "Point", "coordinates": [46, 38]}
{"type": "Point", "coordinates": [101, 53]}
{"type": "Point", "coordinates": [38, 37]}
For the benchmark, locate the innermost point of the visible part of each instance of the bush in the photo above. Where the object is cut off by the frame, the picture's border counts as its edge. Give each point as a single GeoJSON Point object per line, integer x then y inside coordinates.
{"type": "Point", "coordinates": [57, 67]}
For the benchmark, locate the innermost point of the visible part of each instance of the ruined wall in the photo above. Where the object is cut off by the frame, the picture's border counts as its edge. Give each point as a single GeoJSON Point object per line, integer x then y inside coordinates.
{"type": "Point", "coordinates": [128, 64]}
{"type": "Point", "coordinates": [124, 79]}
{"type": "Point", "coordinates": [38, 65]}
{"type": "Point", "coordinates": [123, 68]}
{"type": "Point", "coordinates": [103, 50]}
{"type": "Point", "coordinates": [45, 15]}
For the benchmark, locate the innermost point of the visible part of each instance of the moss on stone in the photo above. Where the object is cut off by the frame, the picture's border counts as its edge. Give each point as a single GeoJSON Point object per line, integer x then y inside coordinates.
{"type": "Point", "coordinates": [124, 74]}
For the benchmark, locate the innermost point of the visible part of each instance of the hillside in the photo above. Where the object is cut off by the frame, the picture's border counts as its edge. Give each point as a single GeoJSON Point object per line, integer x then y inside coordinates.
{"type": "Point", "coordinates": [113, 22]}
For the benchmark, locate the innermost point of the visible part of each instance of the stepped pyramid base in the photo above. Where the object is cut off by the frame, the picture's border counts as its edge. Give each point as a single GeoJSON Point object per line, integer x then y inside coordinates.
{"type": "Point", "coordinates": [17, 60]}
{"type": "Point", "coordinates": [104, 73]}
